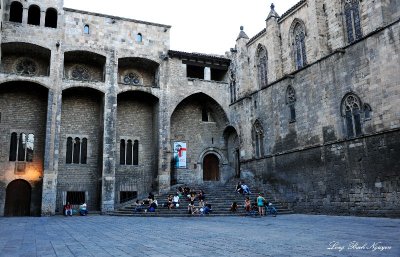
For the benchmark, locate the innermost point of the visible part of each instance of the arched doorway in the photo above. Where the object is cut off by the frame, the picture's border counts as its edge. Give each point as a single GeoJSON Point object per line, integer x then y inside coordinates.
{"type": "Point", "coordinates": [211, 168]}
{"type": "Point", "coordinates": [18, 198]}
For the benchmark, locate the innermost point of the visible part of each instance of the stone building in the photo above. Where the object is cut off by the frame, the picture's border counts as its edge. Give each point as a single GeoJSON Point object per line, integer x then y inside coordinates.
{"type": "Point", "coordinates": [98, 109]}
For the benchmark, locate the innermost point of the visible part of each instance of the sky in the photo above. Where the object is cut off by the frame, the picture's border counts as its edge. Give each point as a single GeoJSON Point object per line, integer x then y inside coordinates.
{"type": "Point", "coordinates": [202, 26]}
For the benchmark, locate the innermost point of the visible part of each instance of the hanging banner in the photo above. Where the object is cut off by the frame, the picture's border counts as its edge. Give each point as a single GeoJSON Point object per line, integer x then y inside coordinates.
{"type": "Point", "coordinates": [180, 155]}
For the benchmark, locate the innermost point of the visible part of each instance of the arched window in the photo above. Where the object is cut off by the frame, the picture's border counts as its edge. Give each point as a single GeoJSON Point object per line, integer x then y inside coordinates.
{"type": "Point", "coordinates": [21, 148]}
{"type": "Point", "coordinates": [367, 111]}
{"type": "Point", "coordinates": [262, 67]}
{"type": "Point", "coordinates": [122, 152]}
{"type": "Point", "coordinates": [51, 18]}
{"type": "Point", "coordinates": [290, 101]}
{"type": "Point", "coordinates": [76, 151]}
{"type": "Point", "coordinates": [86, 29]}
{"type": "Point", "coordinates": [68, 157]}
{"type": "Point", "coordinates": [34, 15]}
{"type": "Point", "coordinates": [299, 45]}
{"type": "Point", "coordinates": [258, 139]}
{"type": "Point", "coordinates": [16, 10]}
{"type": "Point", "coordinates": [129, 152]}
{"type": "Point", "coordinates": [13, 147]}
{"type": "Point", "coordinates": [351, 111]}
{"type": "Point", "coordinates": [353, 24]}
{"type": "Point", "coordinates": [136, 152]}
{"type": "Point", "coordinates": [139, 38]}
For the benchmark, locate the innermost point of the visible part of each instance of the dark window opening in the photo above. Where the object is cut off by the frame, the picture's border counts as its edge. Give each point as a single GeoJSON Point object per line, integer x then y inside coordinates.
{"type": "Point", "coordinates": [196, 72]}
{"type": "Point", "coordinates": [34, 15]}
{"type": "Point", "coordinates": [367, 112]}
{"type": "Point", "coordinates": [218, 75]}
{"type": "Point", "coordinates": [13, 147]}
{"type": "Point", "coordinates": [125, 196]}
{"type": "Point", "coordinates": [86, 29]}
{"type": "Point", "coordinates": [233, 91]}
{"type": "Point", "coordinates": [122, 152]}
{"type": "Point", "coordinates": [353, 24]}
{"type": "Point", "coordinates": [299, 46]}
{"type": "Point", "coordinates": [352, 114]}
{"type": "Point", "coordinates": [129, 153]}
{"type": "Point", "coordinates": [292, 113]}
{"type": "Point", "coordinates": [16, 12]}
{"type": "Point", "coordinates": [204, 115]}
{"type": "Point", "coordinates": [84, 151]}
{"type": "Point", "coordinates": [21, 147]}
{"type": "Point", "coordinates": [77, 150]}
{"type": "Point", "coordinates": [136, 152]}
{"type": "Point", "coordinates": [139, 38]}
{"type": "Point", "coordinates": [75, 198]}
{"type": "Point", "coordinates": [51, 18]}
{"type": "Point", "coordinates": [68, 158]}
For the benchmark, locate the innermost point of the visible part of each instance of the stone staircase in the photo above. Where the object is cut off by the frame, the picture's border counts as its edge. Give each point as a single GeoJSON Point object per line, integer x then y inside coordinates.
{"type": "Point", "coordinates": [219, 196]}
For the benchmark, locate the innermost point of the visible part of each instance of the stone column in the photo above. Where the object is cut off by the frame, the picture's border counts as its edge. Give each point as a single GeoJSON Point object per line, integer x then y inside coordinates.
{"type": "Point", "coordinates": [25, 16]}
{"type": "Point", "coordinates": [109, 141]}
{"type": "Point", "coordinates": [52, 140]}
{"type": "Point", "coordinates": [42, 17]}
{"type": "Point", "coordinates": [207, 73]}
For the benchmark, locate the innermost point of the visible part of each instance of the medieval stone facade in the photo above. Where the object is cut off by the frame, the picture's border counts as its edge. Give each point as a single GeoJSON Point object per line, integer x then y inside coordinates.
{"type": "Point", "coordinates": [97, 108]}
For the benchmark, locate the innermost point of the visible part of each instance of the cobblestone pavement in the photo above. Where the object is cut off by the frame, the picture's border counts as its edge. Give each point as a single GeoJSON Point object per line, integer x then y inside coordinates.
{"type": "Point", "coordinates": [288, 235]}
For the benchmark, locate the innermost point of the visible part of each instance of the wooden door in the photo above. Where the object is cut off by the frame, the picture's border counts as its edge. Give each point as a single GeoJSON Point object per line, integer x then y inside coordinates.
{"type": "Point", "coordinates": [211, 168]}
{"type": "Point", "coordinates": [18, 198]}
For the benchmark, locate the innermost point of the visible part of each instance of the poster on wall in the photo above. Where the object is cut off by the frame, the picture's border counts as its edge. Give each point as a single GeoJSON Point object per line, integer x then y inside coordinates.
{"type": "Point", "coordinates": [180, 155]}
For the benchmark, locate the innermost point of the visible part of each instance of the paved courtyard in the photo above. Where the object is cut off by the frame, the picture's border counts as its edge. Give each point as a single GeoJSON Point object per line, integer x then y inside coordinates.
{"type": "Point", "coordinates": [290, 235]}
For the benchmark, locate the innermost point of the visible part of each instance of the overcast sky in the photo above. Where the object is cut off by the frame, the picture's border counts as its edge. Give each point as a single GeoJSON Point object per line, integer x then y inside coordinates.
{"type": "Point", "coordinates": [203, 26]}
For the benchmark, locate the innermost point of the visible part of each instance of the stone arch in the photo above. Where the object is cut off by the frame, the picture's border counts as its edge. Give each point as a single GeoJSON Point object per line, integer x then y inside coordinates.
{"type": "Point", "coordinates": [232, 146]}
{"type": "Point", "coordinates": [221, 162]}
{"type": "Point", "coordinates": [138, 71]}
{"type": "Point", "coordinates": [82, 65]}
{"type": "Point", "coordinates": [18, 198]}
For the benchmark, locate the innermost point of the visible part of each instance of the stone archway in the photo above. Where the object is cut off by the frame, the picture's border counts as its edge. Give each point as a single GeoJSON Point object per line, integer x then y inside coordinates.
{"type": "Point", "coordinates": [18, 198]}
{"type": "Point", "coordinates": [211, 168]}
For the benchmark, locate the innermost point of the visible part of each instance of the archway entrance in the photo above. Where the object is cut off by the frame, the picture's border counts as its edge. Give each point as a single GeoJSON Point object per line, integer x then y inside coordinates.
{"type": "Point", "coordinates": [211, 168]}
{"type": "Point", "coordinates": [18, 198]}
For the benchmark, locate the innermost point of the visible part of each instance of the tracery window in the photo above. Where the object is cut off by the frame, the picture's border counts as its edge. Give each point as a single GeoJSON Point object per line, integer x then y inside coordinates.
{"type": "Point", "coordinates": [258, 139]}
{"type": "Point", "coordinates": [299, 45]}
{"type": "Point", "coordinates": [262, 66]}
{"type": "Point", "coordinates": [129, 152]}
{"type": "Point", "coordinates": [131, 79]}
{"type": "Point", "coordinates": [25, 67]}
{"type": "Point", "coordinates": [76, 151]}
{"type": "Point", "coordinates": [80, 72]}
{"type": "Point", "coordinates": [290, 101]}
{"type": "Point", "coordinates": [351, 111]}
{"type": "Point", "coordinates": [353, 24]}
{"type": "Point", "coordinates": [21, 147]}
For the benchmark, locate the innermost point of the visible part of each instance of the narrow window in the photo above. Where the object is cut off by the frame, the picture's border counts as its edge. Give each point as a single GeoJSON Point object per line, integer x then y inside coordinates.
{"type": "Point", "coordinates": [367, 112]}
{"type": "Point", "coordinates": [29, 147]}
{"type": "Point", "coordinates": [77, 150]}
{"type": "Point", "coordinates": [290, 102]}
{"type": "Point", "coordinates": [139, 38]}
{"type": "Point", "coordinates": [351, 112]}
{"type": "Point", "coordinates": [204, 114]}
{"type": "Point", "coordinates": [122, 152]}
{"type": "Point", "coordinates": [34, 15]}
{"type": "Point", "coordinates": [262, 66]}
{"type": "Point", "coordinates": [21, 147]}
{"type": "Point", "coordinates": [299, 46]}
{"type": "Point", "coordinates": [68, 157]}
{"type": "Point", "coordinates": [86, 29]}
{"type": "Point", "coordinates": [352, 16]}
{"type": "Point", "coordinates": [136, 152]}
{"type": "Point", "coordinates": [84, 151]}
{"type": "Point", "coordinates": [16, 12]}
{"type": "Point", "coordinates": [75, 198]}
{"type": "Point", "coordinates": [258, 138]}
{"type": "Point", "coordinates": [51, 18]}
{"type": "Point", "coordinates": [232, 84]}
{"type": "Point", "coordinates": [129, 153]}
{"type": "Point", "coordinates": [13, 147]}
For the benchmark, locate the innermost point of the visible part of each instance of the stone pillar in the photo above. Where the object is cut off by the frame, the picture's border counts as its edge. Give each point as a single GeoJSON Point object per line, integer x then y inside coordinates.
{"type": "Point", "coordinates": [25, 16]}
{"type": "Point", "coordinates": [109, 141]}
{"type": "Point", "coordinates": [52, 139]}
{"type": "Point", "coordinates": [207, 73]}
{"type": "Point", "coordinates": [42, 17]}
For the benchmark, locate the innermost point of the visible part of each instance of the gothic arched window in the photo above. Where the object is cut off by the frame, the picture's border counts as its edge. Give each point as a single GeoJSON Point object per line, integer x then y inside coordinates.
{"type": "Point", "coordinates": [290, 101]}
{"type": "Point", "coordinates": [262, 67]}
{"type": "Point", "coordinates": [299, 44]}
{"type": "Point", "coordinates": [353, 24]}
{"type": "Point", "coordinates": [351, 111]}
{"type": "Point", "coordinates": [76, 151]}
{"type": "Point", "coordinates": [258, 139]}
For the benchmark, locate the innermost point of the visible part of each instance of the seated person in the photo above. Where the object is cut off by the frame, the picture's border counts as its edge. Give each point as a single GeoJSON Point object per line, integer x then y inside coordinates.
{"type": "Point", "coordinates": [68, 209]}
{"type": "Point", "coordinates": [246, 189]}
{"type": "Point", "coordinates": [153, 206]}
{"type": "Point", "coordinates": [139, 206]}
{"type": "Point", "coordinates": [234, 207]}
{"type": "Point", "coordinates": [247, 204]}
{"type": "Point", "coordinates": [207, 208]}
{"type": "Point", "coordinates": [175, 201]}
{"type": "Point", "coordinates": [83, 209]}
